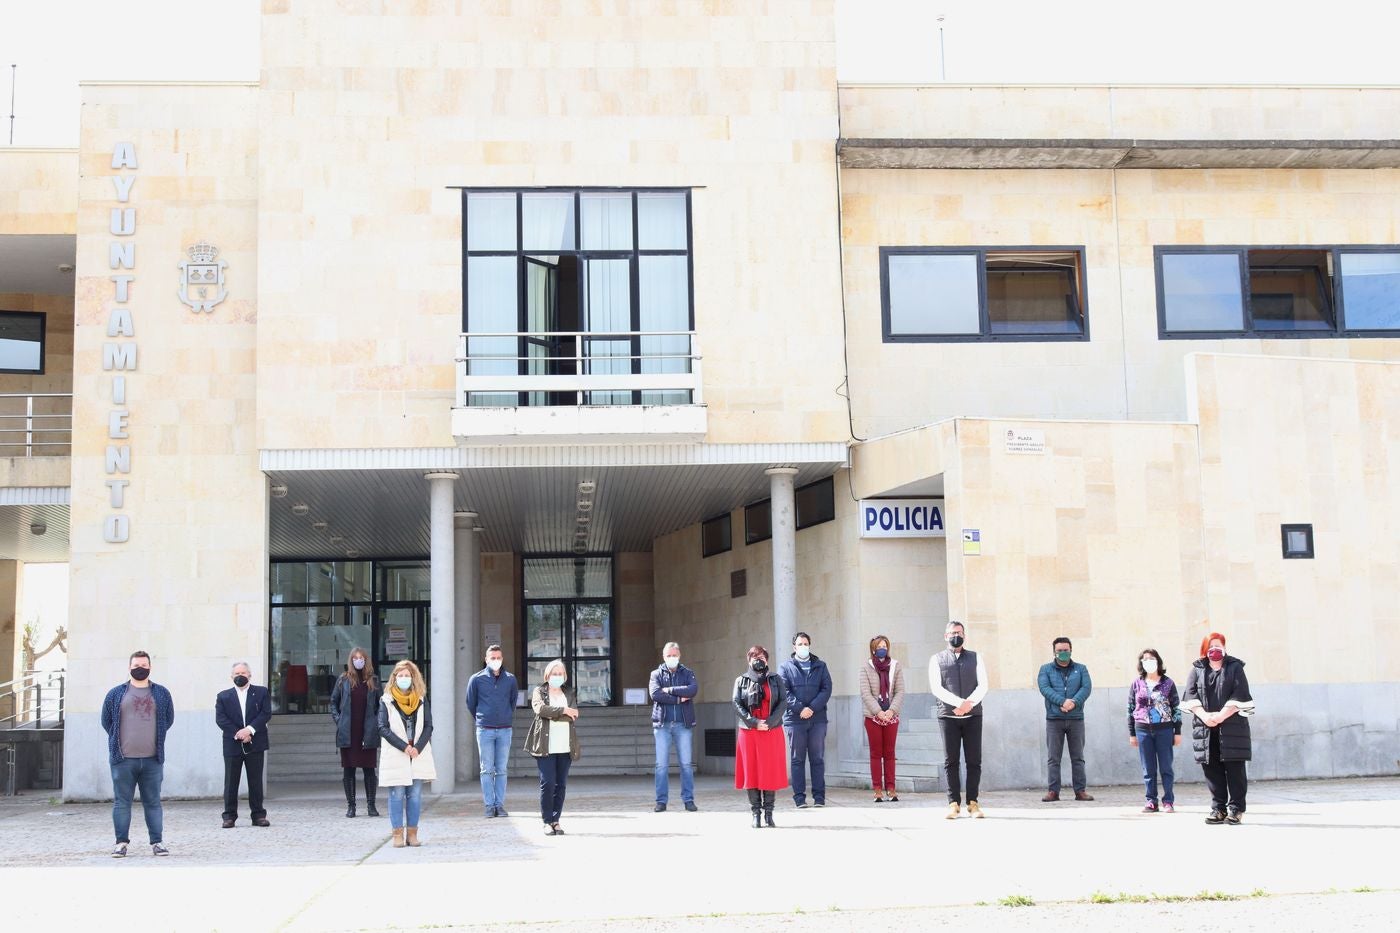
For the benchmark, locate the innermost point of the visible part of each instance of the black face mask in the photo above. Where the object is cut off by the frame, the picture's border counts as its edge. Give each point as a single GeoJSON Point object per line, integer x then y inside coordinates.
{"type": "Point", "coordinates": [758, 666]}
{"type": "Point", "coordinates": [140, 673]}
{"type": "Point", "coordinates": [240, 681]}
{"type": "Point", "coordinates": [955, 641]}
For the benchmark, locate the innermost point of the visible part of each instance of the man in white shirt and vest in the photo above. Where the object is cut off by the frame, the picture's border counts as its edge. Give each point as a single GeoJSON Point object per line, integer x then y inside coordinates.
{"type": "Point", "coordinates": [959, 681]}
{"type": "Point", "coordinates": [242, 713]}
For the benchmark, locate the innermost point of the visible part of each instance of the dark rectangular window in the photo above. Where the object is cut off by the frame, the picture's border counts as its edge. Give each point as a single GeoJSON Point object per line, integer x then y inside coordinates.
{"type": "Point", "coordinates": [1297, 542]}
{"type": "Point", "coordinates": [980, 293]}
{"type": "Point", "coordinates": [758, 522]}
{"type": "Point", "coordinates": [22, 342]}
{"type": "Point", "coordinates": [578, 282]}
{"type": "Point", "coordinates": [816, 503]}
{"type": "Point", "coordinates": [1277, 291]}
{"type": "Point", "coordinates": [715, 536]}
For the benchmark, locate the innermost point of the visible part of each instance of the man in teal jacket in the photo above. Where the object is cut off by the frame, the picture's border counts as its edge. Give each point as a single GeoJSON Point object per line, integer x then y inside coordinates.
{"type": "Point", "coordinates": [1065, 684]}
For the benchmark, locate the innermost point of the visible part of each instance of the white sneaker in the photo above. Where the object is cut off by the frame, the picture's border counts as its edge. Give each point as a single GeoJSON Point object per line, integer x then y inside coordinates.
{"type": "Point", "coordinates": [119, 850]}
{"type": "Point", "coordinates": [158, 849]}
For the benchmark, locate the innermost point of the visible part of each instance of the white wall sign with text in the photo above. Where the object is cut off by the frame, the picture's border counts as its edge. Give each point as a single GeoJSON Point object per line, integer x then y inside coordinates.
{"type": "Point", "coordinates": [901, 518]}
{"type": "Point", "coordinates": [1025, 441]}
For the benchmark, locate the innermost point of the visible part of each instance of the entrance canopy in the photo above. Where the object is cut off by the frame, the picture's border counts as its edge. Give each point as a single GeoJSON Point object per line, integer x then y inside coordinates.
{"type": "Point", "coordinates": [529, 500]}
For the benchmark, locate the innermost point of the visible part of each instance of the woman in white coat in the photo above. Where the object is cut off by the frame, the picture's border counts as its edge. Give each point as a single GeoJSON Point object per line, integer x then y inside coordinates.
{"type": "Point", "coordinates": [406, 757]}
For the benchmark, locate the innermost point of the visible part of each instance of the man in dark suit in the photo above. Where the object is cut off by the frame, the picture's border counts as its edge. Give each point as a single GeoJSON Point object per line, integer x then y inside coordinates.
{"type": "Point", "coordinates": [243, 712]}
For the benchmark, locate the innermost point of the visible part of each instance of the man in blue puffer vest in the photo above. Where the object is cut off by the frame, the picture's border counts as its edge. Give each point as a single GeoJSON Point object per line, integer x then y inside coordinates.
{"type": "Point", "coordinates": [1065, 684]}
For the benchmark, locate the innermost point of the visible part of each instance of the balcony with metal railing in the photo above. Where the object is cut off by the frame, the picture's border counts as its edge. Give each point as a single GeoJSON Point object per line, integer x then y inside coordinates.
{"type": "Point", "coordinates": [580, 386]}
{"type": "Point", "coordinates": [38, 424]}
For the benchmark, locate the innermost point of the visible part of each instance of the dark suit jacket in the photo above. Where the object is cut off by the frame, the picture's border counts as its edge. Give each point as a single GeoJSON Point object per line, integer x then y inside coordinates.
{"type": "Point", "coordinates": [229, 716]}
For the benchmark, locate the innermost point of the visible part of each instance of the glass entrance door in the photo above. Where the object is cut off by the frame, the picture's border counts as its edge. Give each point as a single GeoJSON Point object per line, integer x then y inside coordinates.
{"type": "Point", "coordinates": [578, 631]}
{"type": "Point", "coordinates": [401, 631]}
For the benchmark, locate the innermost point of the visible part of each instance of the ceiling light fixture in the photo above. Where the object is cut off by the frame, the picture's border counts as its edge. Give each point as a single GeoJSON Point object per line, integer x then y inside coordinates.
{"type": "Point", "coordinates": [318, 526]}
{"type": "Point", "coordinates": [38, 527]}
{"type": "Point", "coordinates": [301, 508]}
{"type": "Point", "coordinates": [277, 490]}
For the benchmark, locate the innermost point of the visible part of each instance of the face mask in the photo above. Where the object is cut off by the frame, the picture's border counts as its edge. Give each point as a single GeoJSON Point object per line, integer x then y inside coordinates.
{"type": "Point", "coordinates": [359, 664]}
{"type": "Point", "coordinates": [556, 681]}
{"type": "Point", "coordinates": [240, 681]}
{"type": "Point", "coordinates": [1062, 656]}
{"type": "Point", "coordinates": [673, 661]}
{"type": "Point", "coordinates": [140, 673]}
{"type": "Point", "coordinates": [955, 641]}
{"type": "Point", "coordinates": [404, 683]}
{"type": "Point", "coordinates": [1216, 654]}
{"type": "Point", "coordinates": [1149, 665]}
{"type": "Point", "coordinates": [882, 653]}
{"type": "Point", "coordinates": [494, 665]}
{"type": "Point", "coordinates": [803, 652]}
{"type": "Point", "coordinates": [758, 666]}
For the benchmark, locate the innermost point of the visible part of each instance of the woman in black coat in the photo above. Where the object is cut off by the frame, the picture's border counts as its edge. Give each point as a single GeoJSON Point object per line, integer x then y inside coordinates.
{"type": "Point", "coordinates": [1217, 692]}
{"type": "Point", "coordinates": [355, 708]}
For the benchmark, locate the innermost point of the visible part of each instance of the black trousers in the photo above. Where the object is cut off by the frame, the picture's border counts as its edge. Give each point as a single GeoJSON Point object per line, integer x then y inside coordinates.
{"type": "Point", "coordinates": [1228, 780]}
{"type": "Point", "coordinates": [233, 775]}
{"type": "Point", "coordinates": [554, 775]}
{"type": "Point", "coordinates": [962, 737]}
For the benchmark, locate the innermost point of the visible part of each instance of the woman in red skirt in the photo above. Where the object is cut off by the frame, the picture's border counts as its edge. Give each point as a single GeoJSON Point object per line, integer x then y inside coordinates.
{"type": "Point", "coordinates": [760, 754]}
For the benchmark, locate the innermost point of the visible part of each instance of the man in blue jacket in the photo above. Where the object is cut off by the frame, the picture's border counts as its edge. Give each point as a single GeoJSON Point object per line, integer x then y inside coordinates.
{"type": "Point", "coordinates": [491, 696]}
{"type": "Point", "coordinates": [808, 685]}
{"type": "Point", "coordinates": [1065, 684]}
{"type": "Point", "coordinates": [136, 714]}
{"type": "Point", "coordinates": [673, 687]}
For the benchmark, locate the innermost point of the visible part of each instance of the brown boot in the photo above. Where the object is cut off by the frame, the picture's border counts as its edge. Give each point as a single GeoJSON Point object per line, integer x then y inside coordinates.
{"type": "Point", "coordinates": [398, 839]}
{"type": "Point", "coordinates": [413, 836]}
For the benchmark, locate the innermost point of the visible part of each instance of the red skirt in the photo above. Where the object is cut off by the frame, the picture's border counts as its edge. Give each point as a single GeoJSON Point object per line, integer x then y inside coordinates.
{"type": "Point", "coordinates": [760, 760]}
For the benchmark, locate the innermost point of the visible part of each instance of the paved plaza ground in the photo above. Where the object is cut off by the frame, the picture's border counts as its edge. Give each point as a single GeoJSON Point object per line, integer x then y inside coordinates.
{"type": "Point", "coordinates": [1311, 855]}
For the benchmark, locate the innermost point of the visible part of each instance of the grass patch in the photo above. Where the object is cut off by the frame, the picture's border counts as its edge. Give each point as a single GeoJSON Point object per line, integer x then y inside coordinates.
{"type": "Point", "coordinates": [1016, 900]}
{"type": "Point", "coordinates": [1364, 889]}
{"type": "Point", "coordinates": [1100, 897]}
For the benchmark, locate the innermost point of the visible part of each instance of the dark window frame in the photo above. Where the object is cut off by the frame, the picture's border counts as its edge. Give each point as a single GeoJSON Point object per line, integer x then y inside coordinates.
{"type": "Point", "coordinates": [1338, 329]}
{"type": "Point", "coordinates": [749, 536]}
{"type": "Point", "coordinates": [830, 481]}
{"type": "Point", "coordinates": [728, 520]}
{"type": "Point", "coordinates": [523, 658]}
{"type": "Point", "coordinates": [1309, 553]}
{"type": "Point", "coordinates": [633, 256]}
{"type": "Point", "coordinates": [43, 319]}
{"type": "Point", "coordinates": [984, 334]}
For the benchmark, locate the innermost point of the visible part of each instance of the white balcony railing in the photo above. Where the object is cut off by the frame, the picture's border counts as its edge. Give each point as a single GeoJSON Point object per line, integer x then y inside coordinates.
{"type": "Point", "coordinates": [36, 425]}
{"type": "Point", "coordinates": [553, 368]}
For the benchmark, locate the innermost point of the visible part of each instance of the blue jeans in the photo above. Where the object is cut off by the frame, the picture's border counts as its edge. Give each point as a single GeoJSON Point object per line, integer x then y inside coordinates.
{"type": "Point", "coordinates": [807, 743]}
{"type": "Point", "coordinates": [127, 775]}
{"type": "Point", "coordinates": [493, 745]}
{"type": "Point", "coordinates": [554, 774]}
{"type": "Point", "coordinates": [682, 736]}
{"type": "Point", "coordinates": [397, 804]}
{"type": "Point", "coordinates": [1155, 753]}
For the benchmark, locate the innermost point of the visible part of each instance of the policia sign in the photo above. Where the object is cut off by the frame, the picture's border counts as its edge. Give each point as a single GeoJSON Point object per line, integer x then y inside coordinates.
{"type": "Point", "coordinates": [901, 518]}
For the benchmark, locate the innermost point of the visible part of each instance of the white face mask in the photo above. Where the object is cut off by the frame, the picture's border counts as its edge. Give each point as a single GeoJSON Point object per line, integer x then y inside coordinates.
{"type": "Point", "coordinates": [359, 664]}
{"type": "Point", "coordinates": [673, 661]}
{"type": "Point", "coordinates": [405, 683]}
{"type": "Point", "coordinates": [802, 652]}
{"type": "Point", "coordinates": [556, 681]}
{"type": "Point", "coordinates": [494, 665]}
{"type": "Point", "coordinates": [1149, 665]}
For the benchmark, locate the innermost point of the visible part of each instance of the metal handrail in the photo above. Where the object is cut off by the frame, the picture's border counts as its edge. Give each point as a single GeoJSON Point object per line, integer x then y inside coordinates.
{"type": "Point", "coordinates": [63, 430]}
{"type": "Point", "coordinates": [33, 684]}
{"type": "Point", "coordinates": [584, 380]}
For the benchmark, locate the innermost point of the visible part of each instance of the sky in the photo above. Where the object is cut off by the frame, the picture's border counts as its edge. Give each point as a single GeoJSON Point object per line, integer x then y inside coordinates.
{"type": "Point", "coordinates": [57, 43]}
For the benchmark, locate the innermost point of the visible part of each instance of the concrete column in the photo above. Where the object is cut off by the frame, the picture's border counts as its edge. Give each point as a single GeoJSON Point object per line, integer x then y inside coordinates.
{"type": "Point", "coordinates": [442, 691]}
{"type": "Point", "coordinates": [784, 526]}
{"type": "Point", "coordinates": [468, 653]}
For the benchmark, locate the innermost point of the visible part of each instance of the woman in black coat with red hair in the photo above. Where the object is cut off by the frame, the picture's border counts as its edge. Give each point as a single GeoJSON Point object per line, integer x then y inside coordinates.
{"type": "Point", "coordinates": [1217, 692]}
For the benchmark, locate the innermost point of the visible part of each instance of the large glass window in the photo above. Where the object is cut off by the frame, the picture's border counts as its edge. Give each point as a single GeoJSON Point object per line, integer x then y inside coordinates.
{"type": "Point", "coordinates": [321, 610]}
{"type": "Point", "coordinates": [22, 342]}
{"type": "Point", "coordinates": [1277, 291]}
{"type": "Point", "coordinates": [568, 615]}
{"type": "Point", "coordinates": [585, 283]}
{"type": "Point", "coordinates": [949, 294]}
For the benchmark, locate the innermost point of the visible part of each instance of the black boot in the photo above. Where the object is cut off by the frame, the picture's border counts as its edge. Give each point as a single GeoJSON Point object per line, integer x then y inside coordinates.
{"type": "Point", "coordinates": [756, 805]}
{"type": "Point", "coordinates": [769, 798]}
{"type": "Point", "coordinates": [371, 785]}
{"type": "Point", "coordinates": [348, 780]}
